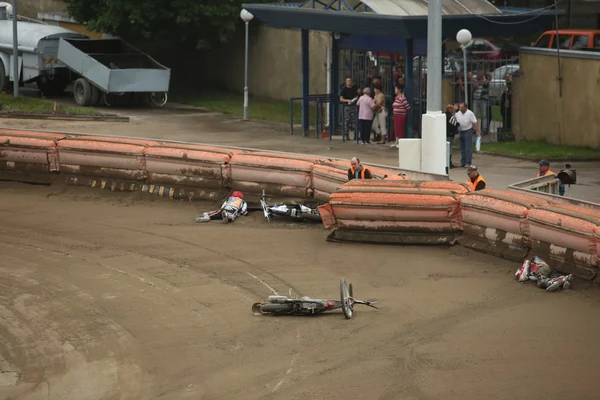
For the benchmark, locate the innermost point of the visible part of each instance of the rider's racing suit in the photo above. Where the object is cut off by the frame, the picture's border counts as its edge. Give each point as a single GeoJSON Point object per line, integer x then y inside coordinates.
{"type": "Point", "coordinates": [233, 207]}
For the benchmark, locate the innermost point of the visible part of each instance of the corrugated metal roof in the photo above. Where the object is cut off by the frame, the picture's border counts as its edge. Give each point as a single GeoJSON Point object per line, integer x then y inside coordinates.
{"type": "Point", "coordinates": [29, 33]}
{"type": "Point", "coordinates": [414, 7]}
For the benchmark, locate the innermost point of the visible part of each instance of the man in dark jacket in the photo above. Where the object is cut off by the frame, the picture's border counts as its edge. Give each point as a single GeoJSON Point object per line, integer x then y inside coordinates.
{"type": "Point", "coordinates": [451, 129]}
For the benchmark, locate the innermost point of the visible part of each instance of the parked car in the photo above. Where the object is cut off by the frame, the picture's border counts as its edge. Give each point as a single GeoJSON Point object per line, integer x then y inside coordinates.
{"type": "Point", "coordinates": [569, 39]}
{"type": "Point", "coordinates": [498, 83]}
{"type": "Point", "coordinates": [491, 49]}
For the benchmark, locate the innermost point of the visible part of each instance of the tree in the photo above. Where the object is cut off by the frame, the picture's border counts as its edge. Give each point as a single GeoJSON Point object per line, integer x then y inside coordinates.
{"type": "Point", "coordinates": [202, 22]}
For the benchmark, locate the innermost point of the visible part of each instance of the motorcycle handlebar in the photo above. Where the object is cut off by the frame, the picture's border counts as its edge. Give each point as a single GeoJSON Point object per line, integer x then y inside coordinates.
{"type": "Point", "coordinates": [366, 303]}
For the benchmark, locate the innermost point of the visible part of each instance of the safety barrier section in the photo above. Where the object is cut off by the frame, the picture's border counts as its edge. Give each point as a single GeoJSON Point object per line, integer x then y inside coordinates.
{"type": "Point", "coordinates": [567, 237]}
{"type": "Point", "coordinates": [277, 175]}
{"type": "Point", "coordinates": [392, 215]}
{"type": "Point", "coordinates": [99, 159]}
{"type": "Point", "coordinates": [33, 134]}
{"type": "Point", "coordinates": [495, 222]}
{"type": "Point", "coordinates": [120, 140]}
{"type": "Point", "coordinates": [207, 171]}
{"type": "Point", "coordinates": [329, 175]}
{"type": "Point", "coordinates": [453, 187]}
{"type": "Point", "coordinates": [32, 156]}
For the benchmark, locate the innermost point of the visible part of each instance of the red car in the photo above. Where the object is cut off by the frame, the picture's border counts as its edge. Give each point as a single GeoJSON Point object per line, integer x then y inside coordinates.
{"type": "Point", "coordinates": [492, 49]}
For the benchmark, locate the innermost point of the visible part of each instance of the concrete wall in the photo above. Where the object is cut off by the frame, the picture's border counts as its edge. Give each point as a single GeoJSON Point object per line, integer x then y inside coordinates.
{"type": "Point", "coordinates": [30, 8]}
{"type": "Point", "coordinates": [539, 112]}
{"type": "Point", "coordinates": [275, 62]}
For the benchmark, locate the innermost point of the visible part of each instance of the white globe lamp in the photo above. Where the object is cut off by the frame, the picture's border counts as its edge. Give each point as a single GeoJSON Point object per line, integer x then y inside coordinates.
{"type": "Point", "coordinates": [246, 15]}
{"type": "Point", "coordinates": [463, 36]}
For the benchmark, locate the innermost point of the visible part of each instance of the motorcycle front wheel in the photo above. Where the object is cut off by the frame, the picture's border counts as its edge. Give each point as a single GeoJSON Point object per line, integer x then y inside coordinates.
{"type": "Point", "coordinates": [345, 298]}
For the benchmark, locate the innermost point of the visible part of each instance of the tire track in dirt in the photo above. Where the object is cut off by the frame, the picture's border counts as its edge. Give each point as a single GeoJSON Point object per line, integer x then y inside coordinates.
{"type": "Point", "coordinates": [240, 260]}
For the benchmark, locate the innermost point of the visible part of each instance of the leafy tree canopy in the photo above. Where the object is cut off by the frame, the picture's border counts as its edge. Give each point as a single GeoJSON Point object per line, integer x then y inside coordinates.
{"type": "Point", "coordinates": [203, 22]}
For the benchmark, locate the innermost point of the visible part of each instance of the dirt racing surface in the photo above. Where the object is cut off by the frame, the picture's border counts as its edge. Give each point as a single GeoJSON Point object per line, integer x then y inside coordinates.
{"type": "Point", "coordinates": [115, 296]}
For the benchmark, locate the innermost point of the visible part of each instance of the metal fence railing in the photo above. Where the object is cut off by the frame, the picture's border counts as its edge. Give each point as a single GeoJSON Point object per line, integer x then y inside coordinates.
{"type": "Point", "coordinates": [489, 93]}
{"type": "Point", "coordinates": [492, 105]}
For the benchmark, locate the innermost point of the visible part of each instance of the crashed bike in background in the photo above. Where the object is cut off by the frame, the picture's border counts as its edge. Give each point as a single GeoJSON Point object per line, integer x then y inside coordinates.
{"type": "Point", "coordinates": [288, 305]}
{"type": "Point", "coordinates": [293, 211]}
{"type": "Point", "coordinates": [539, 271]}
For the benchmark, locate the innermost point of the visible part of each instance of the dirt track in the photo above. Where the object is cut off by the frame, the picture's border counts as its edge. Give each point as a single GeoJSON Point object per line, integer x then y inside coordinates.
{"type": "Point", "coordinates": [118, 297]}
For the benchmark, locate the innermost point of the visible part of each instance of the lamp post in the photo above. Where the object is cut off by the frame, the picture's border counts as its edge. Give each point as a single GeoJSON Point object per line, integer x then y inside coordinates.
{"type": "Point", "coordinates": [464, 38]}
{"type": "Point", "coordinates": [246, 16]}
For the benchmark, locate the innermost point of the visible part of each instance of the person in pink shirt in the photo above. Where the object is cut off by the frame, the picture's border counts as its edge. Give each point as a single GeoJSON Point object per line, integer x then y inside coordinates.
{"type": "Point", "coordinates": [365, 115]}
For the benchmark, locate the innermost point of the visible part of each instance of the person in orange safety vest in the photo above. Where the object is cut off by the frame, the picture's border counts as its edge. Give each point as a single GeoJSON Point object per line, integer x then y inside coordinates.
{"type": "Point", "coordinates": [477, 182]}
{"type": "Point", "coordinates": [545, 170]}
{"type": "Point", "coordinates": [357, 171]}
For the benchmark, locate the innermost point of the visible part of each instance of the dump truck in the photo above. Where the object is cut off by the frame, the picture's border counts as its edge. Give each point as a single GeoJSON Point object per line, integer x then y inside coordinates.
{"type": "Point", "coordinates": [101, 71]}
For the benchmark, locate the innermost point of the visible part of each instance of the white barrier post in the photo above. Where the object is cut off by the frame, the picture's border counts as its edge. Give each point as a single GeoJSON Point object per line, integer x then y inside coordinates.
{"type": "Point", "coordinates": [409, 154]}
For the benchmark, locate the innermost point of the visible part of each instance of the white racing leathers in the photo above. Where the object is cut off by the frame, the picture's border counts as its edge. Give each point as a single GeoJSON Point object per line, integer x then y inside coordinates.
{"type": "Point", "coordinates": [232, 208]}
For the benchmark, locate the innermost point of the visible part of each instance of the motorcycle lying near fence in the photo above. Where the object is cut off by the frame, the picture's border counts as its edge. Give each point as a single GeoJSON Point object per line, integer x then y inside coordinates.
{"type": "Point", "coordinates": [294, 211]}
{"type": "Point", "coordinates": [288, 305]}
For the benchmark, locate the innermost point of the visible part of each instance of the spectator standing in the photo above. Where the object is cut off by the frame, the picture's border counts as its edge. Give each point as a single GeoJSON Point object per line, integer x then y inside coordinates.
{"type": "Point", "coordinates": [467, 125]}
{"type": "Point", "coordinates": [451, 129]}
{"type": "Point", "coordinates": [467, 97]}
{"type": "Point", "coordinates": [401, 108]}
{"type": "Point", "coordinates": [480, 98]}
{"type": "Point", "coordinates": [348, 97]}
{"type": "Point", "coordinates": [506, 106]}
{"type": "Point", "coordinates": [365, 115]}
{"type": "Point", "coordinates": [381, 114]}
{"type": "Point", "coordinates": [459, 88]}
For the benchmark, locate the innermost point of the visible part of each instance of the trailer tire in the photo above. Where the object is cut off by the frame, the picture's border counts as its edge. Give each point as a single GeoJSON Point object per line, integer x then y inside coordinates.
{"type": "Point", "coordinates": [4, 78]}
{"type": "Point", "coordinates": [82, 91]}
{"type": "Point", "coordinates": [95, 96]}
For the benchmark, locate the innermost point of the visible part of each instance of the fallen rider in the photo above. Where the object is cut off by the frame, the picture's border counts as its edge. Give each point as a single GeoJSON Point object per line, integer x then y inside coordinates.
{"type": "Point", "coordinates": [546, 277]}
{"type": "Point", "coordinates": [231, 208]}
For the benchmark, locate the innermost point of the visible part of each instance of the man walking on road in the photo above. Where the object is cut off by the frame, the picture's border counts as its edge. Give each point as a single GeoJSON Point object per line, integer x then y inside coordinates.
{"type": "Point", "coordinates": [467, 125]}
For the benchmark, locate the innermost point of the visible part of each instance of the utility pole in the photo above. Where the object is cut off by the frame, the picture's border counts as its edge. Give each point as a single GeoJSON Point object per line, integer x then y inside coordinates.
{"type": "Point", "coordinates": [15, 50]}
{"type": "Point", "coordinates": [433, 139]}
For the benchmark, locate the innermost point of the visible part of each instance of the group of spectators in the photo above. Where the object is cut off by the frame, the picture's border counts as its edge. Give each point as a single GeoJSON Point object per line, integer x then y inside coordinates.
{"type": "Point", "coordinates": [480, 99]}
{"type": "Point", "coordinates": [370, 108]}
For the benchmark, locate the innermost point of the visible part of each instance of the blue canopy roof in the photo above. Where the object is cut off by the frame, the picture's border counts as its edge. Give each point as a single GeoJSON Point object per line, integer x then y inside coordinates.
{"type": "Point", "coordinates": [406, 27]}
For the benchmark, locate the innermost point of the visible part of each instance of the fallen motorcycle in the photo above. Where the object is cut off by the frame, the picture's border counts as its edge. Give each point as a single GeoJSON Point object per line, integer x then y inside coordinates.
{"type": "Point", "coordinates": [294, 211]}
{"type": "Point", "coordinates": [288, 305]}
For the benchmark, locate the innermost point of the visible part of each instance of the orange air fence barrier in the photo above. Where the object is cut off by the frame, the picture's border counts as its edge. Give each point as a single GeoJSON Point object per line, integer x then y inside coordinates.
{"type": "Point", "coordinates": [393, 215]}
{"type": "Point", "coordinates": [453, 187]}
{"type": "Point", "coordinates": [277, 175]}
{"type": "Point", "coordinates": [99, 159]}
{"type": "Point", "coordinates": [207, 171]}
{"type": "Point", "coordinates": [567, 236]}
{"type": "Point", "coordinates": [30, 156]}
{"type": "Point", "coordinates": [387, 209]}
{"type": "Point", "coordinates": [495, 221]}
{"type": "Point", "coordinates": [329, 175]}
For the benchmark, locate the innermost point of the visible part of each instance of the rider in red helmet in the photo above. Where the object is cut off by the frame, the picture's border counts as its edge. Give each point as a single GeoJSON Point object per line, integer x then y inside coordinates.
{"type": "Point", "coordinates": [233, 207]}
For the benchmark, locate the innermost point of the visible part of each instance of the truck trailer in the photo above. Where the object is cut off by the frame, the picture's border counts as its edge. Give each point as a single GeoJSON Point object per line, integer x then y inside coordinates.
{"type": "Point", "coordinates": [102, 71]}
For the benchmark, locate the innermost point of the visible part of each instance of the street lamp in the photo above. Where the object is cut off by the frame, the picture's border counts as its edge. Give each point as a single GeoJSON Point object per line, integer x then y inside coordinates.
{"type": "Point", "coordinates": [246, 16]}
{"type": "Point", "coordinates": [464, 37]}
